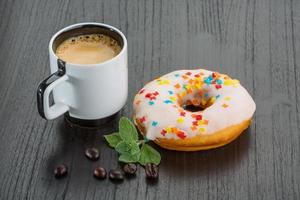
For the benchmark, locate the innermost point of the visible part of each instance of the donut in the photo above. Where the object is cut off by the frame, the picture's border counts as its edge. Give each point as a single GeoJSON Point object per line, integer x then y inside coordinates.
{"type": "Point", "coordinates": [191, 110]}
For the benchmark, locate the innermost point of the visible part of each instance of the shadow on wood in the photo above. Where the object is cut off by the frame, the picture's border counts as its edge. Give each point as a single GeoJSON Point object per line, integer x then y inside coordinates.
{"type": "Point", "coordinates": [202, 163]}
{"type": "Point", "coordinates": [72, 142]}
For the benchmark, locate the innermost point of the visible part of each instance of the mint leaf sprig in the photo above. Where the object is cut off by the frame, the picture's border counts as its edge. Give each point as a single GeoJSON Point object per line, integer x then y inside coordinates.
{"type": "Point", "coordinates": [126, 142]}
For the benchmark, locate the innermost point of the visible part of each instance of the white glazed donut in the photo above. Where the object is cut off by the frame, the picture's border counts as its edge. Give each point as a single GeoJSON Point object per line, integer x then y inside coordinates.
{"type": "Point", "coordinates": [160, 114]}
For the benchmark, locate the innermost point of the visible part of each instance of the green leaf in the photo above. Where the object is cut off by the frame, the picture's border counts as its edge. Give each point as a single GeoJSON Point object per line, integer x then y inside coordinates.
{"type": "Point", "coordinates": [122, 147]}
{"type": "Point", "coordinates": [128, 158]}
{"type": "Point", "coordinates": [127, 130]}
{"type": "Point", "coordinates": [134, 148]}
{"type": "Point", "coordinates": [113, 139]}
{"type": "Point", "coordinates": [127, 147]}
{"type": "Point", "coordinates": [149, 155]}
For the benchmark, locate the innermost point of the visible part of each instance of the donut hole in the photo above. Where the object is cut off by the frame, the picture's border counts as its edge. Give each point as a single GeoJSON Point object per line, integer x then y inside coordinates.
{"type": "Point", "coordinates": [192, 108]}
{"type": "Point", "coordinates": [196, 105]}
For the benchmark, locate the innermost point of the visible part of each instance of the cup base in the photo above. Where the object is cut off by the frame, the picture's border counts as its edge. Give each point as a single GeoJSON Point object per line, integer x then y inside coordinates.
{"type": "Point", "coordinates": [89, 124]}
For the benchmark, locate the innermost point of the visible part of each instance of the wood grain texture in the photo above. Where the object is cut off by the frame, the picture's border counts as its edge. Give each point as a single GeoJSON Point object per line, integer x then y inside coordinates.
{"type": "Point", "coordinates": [256, 41]}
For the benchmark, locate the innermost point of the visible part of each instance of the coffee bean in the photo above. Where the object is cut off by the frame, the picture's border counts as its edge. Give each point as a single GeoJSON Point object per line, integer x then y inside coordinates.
{"type": "Point", "coordinates": [100, 172]}
{"type": "Point", "coordinates": [151, 171]}
{"type": "Point", "coordinates": [92, 154]}
{"type": "Point", "coordinates": [130, 168]}
{"type": "Point", "coordinates": [61, 171]}
{"type": "Point", "coordinates": [116, 175]}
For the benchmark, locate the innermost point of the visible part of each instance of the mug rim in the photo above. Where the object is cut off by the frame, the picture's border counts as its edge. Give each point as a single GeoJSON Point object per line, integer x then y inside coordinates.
{"type": "Point", "coordinates": [74, 26]}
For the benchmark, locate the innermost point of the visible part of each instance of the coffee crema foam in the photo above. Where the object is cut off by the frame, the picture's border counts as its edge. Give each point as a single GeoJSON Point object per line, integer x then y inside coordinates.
{"type": "Point", "coordinates": [88, 49]}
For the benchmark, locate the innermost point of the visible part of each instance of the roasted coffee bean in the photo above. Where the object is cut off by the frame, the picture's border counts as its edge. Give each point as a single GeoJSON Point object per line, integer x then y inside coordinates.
{"type": "Point", "coordinates": [151, 171]}
{"type": "Point", "coordinates": [116, 175]}
{"type": "Point", "coordinates": [100, 172]}
{"type": "Point", "coordinates": [61, 171]}
{"type": "Point", "coordinates": [130, 168]}
{"type": "Point", "coordinates": [92, 154]}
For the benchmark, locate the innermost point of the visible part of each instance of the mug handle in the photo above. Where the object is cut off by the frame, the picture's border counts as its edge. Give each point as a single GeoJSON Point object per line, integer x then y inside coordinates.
{"type": "Point", "coordinates": [43, 92]}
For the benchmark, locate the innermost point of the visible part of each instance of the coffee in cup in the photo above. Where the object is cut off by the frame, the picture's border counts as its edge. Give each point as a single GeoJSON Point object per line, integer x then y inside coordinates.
{"type": "Point", "coordinates": [88, 49]}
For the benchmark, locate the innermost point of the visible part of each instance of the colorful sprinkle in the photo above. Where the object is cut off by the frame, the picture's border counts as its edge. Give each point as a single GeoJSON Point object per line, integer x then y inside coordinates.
{"type": "Point", "coordinates": [180, 120]}
{"type": "Point", "coordinates": [188, 73]}
{"type": "Point", "coordinates": [174, 129]}
{"type": "Point", "coordinates": [163, 81]}
{"type": "Point", "coordinates": [182, 113]}
{"type": "Point", "coordinates": [232, 82]}
{"type": "Point", "coordinates": [227, 82]}
{"type": "Point", "coordinates": [197, 117]}
{"type": "Point", "coordinates": [212, 100]}
{"type": "Point", "coordinates": [148, 95]}
{"type": "Point", "coordinates": [219, 81]}
{"type": "Point", "coordinates": [225, 105]}
{"type": "Point", "coordinates": [163, 132]}
{"type": "Point", "coordinates": [173, 99]}
{"type": "Point", "coordinates": [201, 122]}
{"type": "Point", "coordinates": [183, 94]}
{"type": "Point", "coordinates": [142, 119]}
{"type": "Point", "coordinates": [151, 103]}
{"type": "Point", "coordinates": [202, 130]}
{"type": "Point", "coordinates": [197, 85]}
{"type": "Point", "coordinates": [141, 91]}
{"type": "Point", "coordinates": [186, 86]}
{"type": "Point", "coordinates": [168, 101]}
{"type": "Point", "coordinates": [184, 77]}
{"type": "Point", "coordinates": [169, 129]}
{"type": "Point", "coordinates": [227, 98]}
{"type": "Point", "coordinates": [138, 102]}
{"type": "Point", "coordinates": [193, 128]}
{"type": "Point", "coordinates": [195, 123]}
{"type": "Point", "coordinates": [154, 123]}
{"type": "Point", "coordinates": [207, 81]}
{"type": "Point", "coordinates": [181, 134]}
{"type": "Point", "coordinates": [152, 98]}
{"type": "Point", "coordinates": [218, 96]}
{"type": "Point", "coordinates": [170, 92]}
{"type": "Point", "coordinates": [177, 75]}
{"type": "Point", "coordinates": [177, 86]}
{"type": "Point", "coordinates": [218, 86]}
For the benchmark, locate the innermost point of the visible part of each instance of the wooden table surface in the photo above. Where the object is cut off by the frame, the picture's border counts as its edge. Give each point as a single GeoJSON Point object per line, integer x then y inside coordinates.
{"type": "Point", "coordinates": [255, 41]}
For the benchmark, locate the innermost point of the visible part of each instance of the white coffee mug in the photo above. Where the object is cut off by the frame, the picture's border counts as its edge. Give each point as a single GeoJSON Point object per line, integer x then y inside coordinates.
{"type": "Point", "coordinates": [85, 91]}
